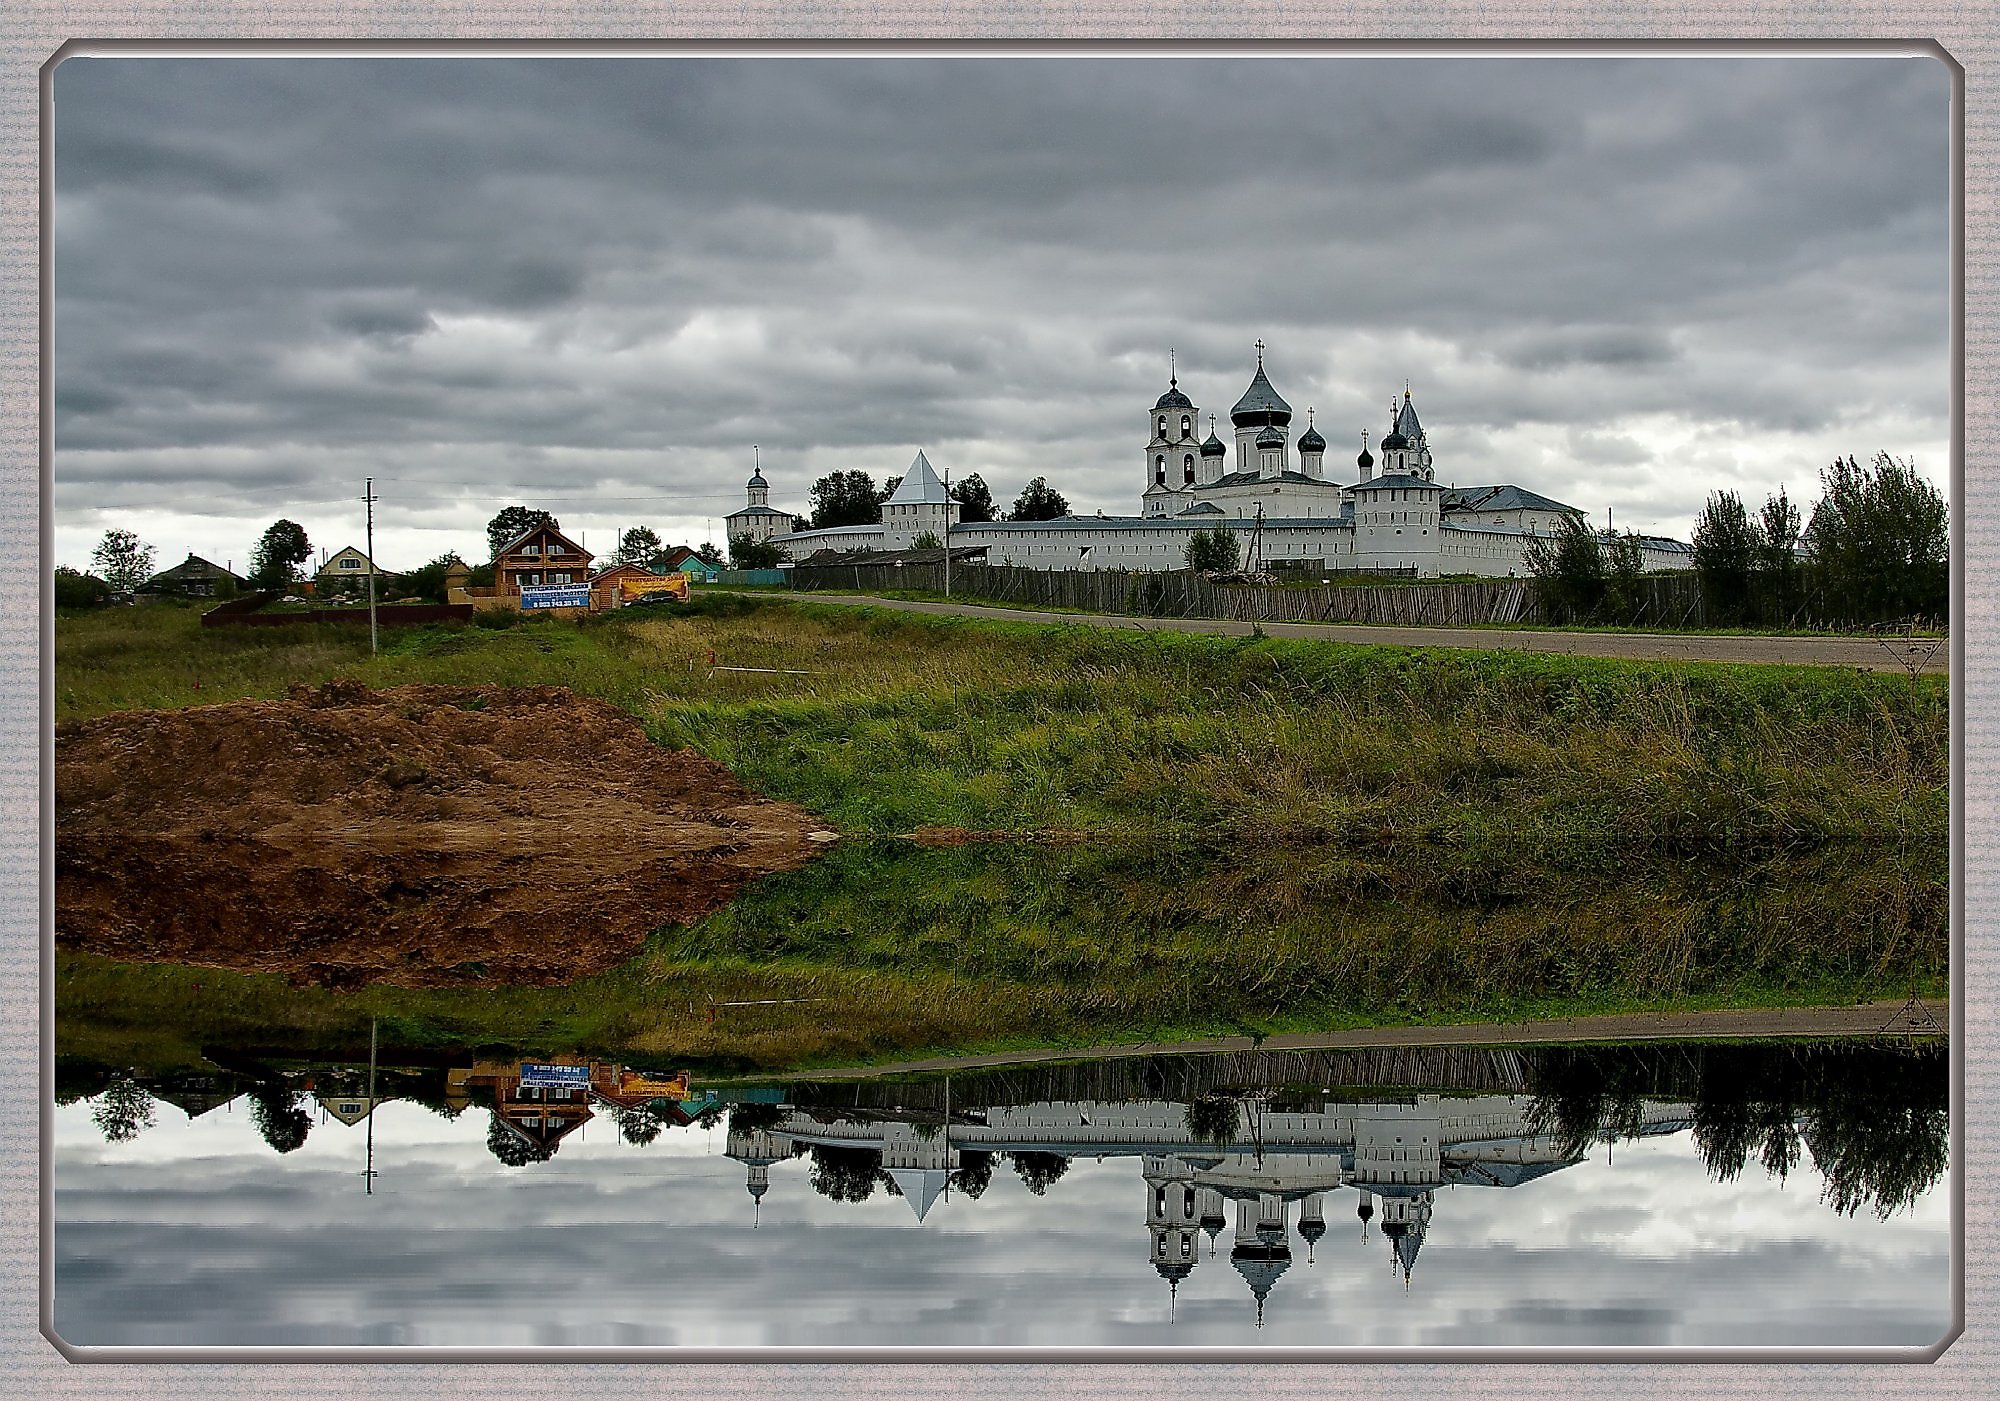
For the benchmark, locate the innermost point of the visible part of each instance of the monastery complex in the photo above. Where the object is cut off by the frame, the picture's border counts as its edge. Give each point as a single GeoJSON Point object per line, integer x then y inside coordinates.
{"type": "Point", "coordinates": [1273, 491]}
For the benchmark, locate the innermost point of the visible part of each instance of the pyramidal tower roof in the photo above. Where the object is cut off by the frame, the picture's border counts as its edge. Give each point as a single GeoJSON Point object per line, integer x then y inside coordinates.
{"type": "Point", "coordinates": [920, 486]}
{"type": "Point", "coordinates": [919, 1186]}
{"type": "Point", "coordinates": [1406, 419]}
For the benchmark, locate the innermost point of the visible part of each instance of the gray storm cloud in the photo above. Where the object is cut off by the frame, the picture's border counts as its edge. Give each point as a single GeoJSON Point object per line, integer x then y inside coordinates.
{"type": "Point", "coordinates": [600, 281]}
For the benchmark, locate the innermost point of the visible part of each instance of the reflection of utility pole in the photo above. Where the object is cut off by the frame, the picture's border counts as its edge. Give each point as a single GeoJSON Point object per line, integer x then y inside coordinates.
{"type": "Point", "coordinates": [368, 1173]}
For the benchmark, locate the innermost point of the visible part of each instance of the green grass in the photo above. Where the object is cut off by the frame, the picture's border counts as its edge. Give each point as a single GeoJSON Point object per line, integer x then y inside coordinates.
{"type": "Point", "coordinates": [1214, 834]}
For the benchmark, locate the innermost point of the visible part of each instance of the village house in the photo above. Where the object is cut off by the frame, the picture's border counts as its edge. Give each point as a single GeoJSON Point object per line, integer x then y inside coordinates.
{"type": "Point", "coordinates": [543, 555]}
{"type": "Point", "coordinates": [348, 568]}
{"type": "Point", "coordinates": [193, 576]}
{"type": "Point", "coordinates": [682, 560]}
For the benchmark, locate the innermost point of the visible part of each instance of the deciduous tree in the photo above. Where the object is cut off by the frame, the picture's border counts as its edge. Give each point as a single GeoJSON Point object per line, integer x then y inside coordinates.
{"type": "Point", "coordinates": [1039, 501]}
{"type": "Point", "coordinates": [1213, 551]}
{"type": "Point", "coordinates": [746, 553]}
{"type": "Point", "coordinates": [1728, 547]}
{"type": "Point", "coordinates": [1879, 540]}
{"type": "Point", "coordinates": [641, 546]}
{"type": "Point", "coordinates": [844, 498]}
{"type": "Point", "coordinates": [280, 551]}
{"type": "Point", "coordinates": [1568, 569]}
{"type": "Point", "coordinates": [512, 523]}
{"type": "Point", "coordinates": [975, 501]}
{"type": "Point", "coordinates": [123, 560]}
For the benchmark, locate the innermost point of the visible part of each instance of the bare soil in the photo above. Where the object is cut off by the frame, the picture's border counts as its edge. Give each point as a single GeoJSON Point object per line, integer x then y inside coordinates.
{"type": "Point", "coordinates": [419, 835]}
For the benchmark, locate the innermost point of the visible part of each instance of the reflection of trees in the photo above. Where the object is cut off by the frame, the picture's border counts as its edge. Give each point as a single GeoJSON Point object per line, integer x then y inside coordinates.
{"type": "Point", "coordinates": [1214, 1119]}
{"type": "Point", "coordinates": [845, 1174]}
{"type": "Point", "coordinates": [1040, 1171]}
{"type": "Point", "coordinates": [1744, 1105]}
{"type": "Point", "coordinates": [639, 1124]}
{"type": "Point", "coordinates": [1874, 1116]}
{"type": "Point", "coordinates": [1880, 1139]}
{"type": "Point", "coordinates": [123, 1111]}
{"type": "Point", "coordinates": [277, 1117]}
{"type": "Point", "coordinates": [1581, 1092]}
{"type": "Point", "coordinates": [513, 1149]}
{"type": "Point", "coordinates": [77, 1080]}
{"type": "Point", "coordinates": [751, 1118]}
{"type": "Point", "coordinates": [973, 1173]}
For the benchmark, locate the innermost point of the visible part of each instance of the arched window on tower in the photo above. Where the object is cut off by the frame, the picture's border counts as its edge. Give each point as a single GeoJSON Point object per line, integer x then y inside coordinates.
{"type": "Point", "coordinates": [1187, 467]}
{"type": "Point", "coordinates": [1163, 425]}
{"type": "Point", "coordinates": [1160, 469]}
{"type": "Point", "coordinates": [1187, 427]}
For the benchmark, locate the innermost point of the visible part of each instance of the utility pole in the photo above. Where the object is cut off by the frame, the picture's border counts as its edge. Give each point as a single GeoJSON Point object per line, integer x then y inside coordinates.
{"type": "Point", "coordinates": [368, 1173]}
{"type": "Point", "coordinates": [369, 497]}
{"type": "Point", "coordinates": [947, 534]}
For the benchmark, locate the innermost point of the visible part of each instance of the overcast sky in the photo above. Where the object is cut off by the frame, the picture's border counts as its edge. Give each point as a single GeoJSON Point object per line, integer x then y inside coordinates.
{"type": "Point", "coordinates": [592, 285]}
{"type": "Point", "coordinates": [197, 1232]}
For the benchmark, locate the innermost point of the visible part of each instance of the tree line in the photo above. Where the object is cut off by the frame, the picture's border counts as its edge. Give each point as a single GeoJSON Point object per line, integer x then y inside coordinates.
{"type": "Point", "coordinates": [852, 498]}
{"type": "Point", "coordinates": [1875, 548]}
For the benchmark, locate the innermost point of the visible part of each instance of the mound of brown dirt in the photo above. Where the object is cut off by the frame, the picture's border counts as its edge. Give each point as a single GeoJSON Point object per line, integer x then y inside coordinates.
{"type": "Point", "coordinates": [420, 835]}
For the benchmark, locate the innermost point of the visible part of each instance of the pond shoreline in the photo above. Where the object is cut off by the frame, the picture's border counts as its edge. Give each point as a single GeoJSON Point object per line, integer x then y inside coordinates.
{"type": "Point", "coordinates": [1930, 1017]}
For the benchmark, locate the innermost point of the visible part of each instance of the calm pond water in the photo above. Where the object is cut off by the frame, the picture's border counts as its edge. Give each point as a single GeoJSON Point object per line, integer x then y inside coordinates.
{"type": "Point", "coordinates": [1666, 1195]}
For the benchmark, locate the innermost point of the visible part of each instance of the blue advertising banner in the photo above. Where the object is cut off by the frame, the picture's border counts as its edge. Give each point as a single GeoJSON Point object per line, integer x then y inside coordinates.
{"type": "Point", "coordinates": [541, 1073]}
{"type": "Point", "coordinates": [556, 596]}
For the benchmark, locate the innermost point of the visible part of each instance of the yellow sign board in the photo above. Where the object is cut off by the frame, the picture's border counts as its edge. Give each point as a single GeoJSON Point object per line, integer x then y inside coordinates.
{"type": "Point", "coordinates": [675, 584]}
{"type": "Point", "coordinates": [673, 1087]}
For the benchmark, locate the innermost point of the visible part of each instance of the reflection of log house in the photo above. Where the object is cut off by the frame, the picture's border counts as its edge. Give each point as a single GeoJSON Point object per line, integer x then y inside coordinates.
{"type": "Point", "coordinates": [545, 1114]}
{"type": "Point", "coordinates": [543, 555]}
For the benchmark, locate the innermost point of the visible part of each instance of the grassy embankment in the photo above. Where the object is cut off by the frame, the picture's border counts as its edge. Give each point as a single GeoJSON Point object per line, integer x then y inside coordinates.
{"type": "Point", "coordinates": [1204, 834]}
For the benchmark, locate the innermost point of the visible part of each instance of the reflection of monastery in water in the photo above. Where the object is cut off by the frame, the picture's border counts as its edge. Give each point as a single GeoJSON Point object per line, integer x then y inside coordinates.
{"type": "Point", "coordinates": [1276, 1162]}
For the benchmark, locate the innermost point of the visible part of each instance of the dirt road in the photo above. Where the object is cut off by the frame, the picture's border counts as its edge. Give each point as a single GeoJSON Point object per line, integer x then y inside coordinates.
{"type": "Point", "coordinates": [1862, 653]}
{"type": "Point", "coordinates": [1929, 1018]}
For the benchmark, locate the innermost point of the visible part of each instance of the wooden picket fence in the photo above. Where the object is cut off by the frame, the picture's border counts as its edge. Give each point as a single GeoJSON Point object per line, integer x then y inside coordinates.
{"type": "Point", "coordinates": [1671, 601]}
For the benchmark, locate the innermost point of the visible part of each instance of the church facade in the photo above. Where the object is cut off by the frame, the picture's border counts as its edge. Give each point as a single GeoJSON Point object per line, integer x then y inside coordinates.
{"type": "Point", "coordinates": [1274, 493]}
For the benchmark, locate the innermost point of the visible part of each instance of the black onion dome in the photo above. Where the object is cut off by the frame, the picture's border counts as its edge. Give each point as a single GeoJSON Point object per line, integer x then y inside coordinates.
{"type": "Point", "coordinates": [1394, 440]}
{"type": "Point", "coordinates": [1271, 438]}
{"type": "Point", "coordinates": [1366, 461]}
{"type": "Point", "coordinates": [757, 478]}
{"type": "Point", "coordinates": [1260, 404]}
{"type": "Point", "coordinates": [1213, 447]}
{"type": "Point", "coordinates": [1174, 399]}
{"type": "Point", "coordinates": [1311, 1230]}
{"type": "Point", "coordinates": [1310, 441]}
{"type": "Point", "coordinates": [1365, 1210]}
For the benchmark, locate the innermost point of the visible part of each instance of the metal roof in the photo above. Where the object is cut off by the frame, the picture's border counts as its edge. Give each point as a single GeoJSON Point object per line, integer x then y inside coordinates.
{"type": "Point", "coordinates": [1406, 421]}
{"type": "Point", "coordinates": [1252, 478]}
{"type": "Point", "coordinates": [920, 486]}
{"type": "Point", "coordinates": [1260, 402]}
{"type": "Point", "coordinates": [1397, 479]}
{"type": "Point", "coordinates": [1504, 497]}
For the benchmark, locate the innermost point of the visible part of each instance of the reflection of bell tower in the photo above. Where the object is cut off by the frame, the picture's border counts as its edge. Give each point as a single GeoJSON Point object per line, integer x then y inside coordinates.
{"type": "Point", "coordinates": [757, 1149]}
{"type": "Point", "coordinates": [1173, 1217]}
{"type": "Point", "coordinates": [1312, 1225]}
{"type": "Point", "coordinates": [1261, 1252]}
{"type": "Point", "coordinates": [1404, 1222]}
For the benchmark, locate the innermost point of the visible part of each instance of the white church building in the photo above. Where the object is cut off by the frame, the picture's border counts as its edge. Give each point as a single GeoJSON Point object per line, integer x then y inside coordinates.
{"type": "Point", "coordinates": [1271, 491]}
